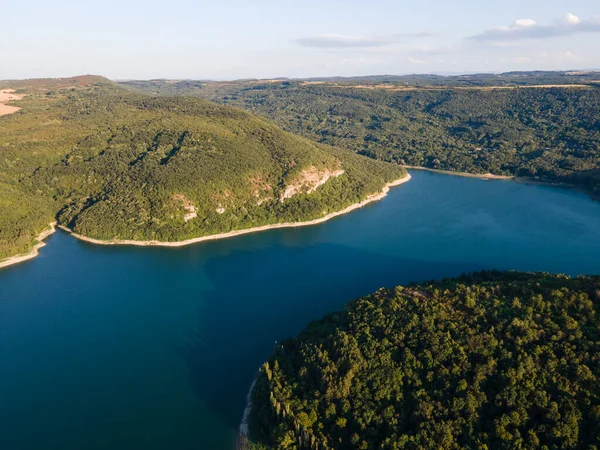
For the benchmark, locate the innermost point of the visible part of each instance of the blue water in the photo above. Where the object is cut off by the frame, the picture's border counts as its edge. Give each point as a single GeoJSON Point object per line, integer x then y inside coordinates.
{"type": "Point", "coordinates": [155, 348]}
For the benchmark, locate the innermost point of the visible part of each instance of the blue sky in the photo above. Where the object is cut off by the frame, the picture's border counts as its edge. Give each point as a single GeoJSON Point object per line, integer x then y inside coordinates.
{"type": "Point", "coordinates": [268, 38]}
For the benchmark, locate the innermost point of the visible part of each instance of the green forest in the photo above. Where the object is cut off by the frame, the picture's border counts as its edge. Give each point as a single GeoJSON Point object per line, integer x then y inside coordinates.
{"type": "Point", "coordinates": [489, 360]}
{"type": "Point", "coordinates": [475, 124]}
{"type": "Point", "coordinates": [109, 163]}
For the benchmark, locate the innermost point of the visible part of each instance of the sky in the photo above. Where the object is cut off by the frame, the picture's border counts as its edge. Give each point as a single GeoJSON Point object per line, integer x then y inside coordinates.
{"type": "Point", "coordinates": [232, 39]}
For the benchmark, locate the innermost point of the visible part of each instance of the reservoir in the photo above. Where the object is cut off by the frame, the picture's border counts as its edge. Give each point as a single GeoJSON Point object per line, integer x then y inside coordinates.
{"type": "Point", "coordinates": [118, 347]}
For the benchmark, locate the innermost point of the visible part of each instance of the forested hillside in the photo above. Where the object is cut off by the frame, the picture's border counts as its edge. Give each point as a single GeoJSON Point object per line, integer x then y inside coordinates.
{"type": "Point", "coordinates": [492, 360]}
{"type": "Point", "coordinates": [472, 124]}
{"type": "Point", "coordinates": [112, 164]}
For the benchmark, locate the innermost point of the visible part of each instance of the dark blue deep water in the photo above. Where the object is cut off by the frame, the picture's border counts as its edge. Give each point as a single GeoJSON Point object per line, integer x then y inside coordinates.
{"type": "Point", "coordinates": [155, 348]}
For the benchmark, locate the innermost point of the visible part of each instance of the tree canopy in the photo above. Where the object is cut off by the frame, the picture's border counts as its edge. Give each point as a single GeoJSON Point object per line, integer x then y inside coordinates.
{"type": "Point", "coordinates": [539, 126]}
{"type": "Point", "coordinates": [490, 360]}
{"type": "Point", "coordinates": [114, 164]}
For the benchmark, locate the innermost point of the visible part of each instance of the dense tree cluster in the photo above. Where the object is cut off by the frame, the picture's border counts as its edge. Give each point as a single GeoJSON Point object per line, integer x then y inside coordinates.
{"type": "Point", "coordinates": [491, 360]}
{"type": "Point", "coordinates": [472, 124]}
{"type": "Point", "coordinates": [506, 79]}
{"type": "Point", "coordinates": [110, 163]}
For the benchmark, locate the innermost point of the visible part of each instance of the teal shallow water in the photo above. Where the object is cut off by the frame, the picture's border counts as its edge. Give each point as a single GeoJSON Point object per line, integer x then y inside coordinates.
{"type": "Point", "coordinates": [154, 348]}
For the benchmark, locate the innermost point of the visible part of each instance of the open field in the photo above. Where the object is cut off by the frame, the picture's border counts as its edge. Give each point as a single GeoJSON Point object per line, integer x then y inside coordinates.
{"type": "Point", "coordinates": [8, 95]}
{"type": "Point", "coordinates": [398, 88]}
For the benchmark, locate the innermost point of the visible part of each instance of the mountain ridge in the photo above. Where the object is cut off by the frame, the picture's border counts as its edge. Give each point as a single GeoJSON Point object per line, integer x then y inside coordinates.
{"type": "Point", "coordinates": [113, 164]}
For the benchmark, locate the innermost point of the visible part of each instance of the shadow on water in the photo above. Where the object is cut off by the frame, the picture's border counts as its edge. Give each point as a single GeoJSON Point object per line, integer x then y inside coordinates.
{"type": "Point", "coordinates": [247, 311]}
{"type": "Point", "coordinates": [107, 337]}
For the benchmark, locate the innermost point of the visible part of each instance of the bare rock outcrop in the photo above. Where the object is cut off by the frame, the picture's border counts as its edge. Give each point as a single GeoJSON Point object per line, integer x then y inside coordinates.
{"type": "Point", "coordinates": [309, 180]}
{"type": "Point", "coordinates": [188, 206]}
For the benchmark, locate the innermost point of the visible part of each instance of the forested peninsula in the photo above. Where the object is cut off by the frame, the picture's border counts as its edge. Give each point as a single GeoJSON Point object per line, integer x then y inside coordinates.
{"type": "Point", "coordinates": [489, 360]}
{"type": "Point", "coordinates": [538, 126]}
{"type": "Point", "coordinates": [112, 165]}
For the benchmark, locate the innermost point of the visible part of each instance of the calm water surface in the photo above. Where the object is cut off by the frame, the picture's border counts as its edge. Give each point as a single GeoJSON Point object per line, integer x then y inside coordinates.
{"type": "Point", "coordinates": [154, 348]}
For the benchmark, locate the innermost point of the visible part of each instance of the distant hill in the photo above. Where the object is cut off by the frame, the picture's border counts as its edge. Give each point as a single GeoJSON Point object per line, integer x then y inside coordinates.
{"type": "Point", "coordinates": [477, 79]}
{"type": "Point", "coordinates": [58, 83]}
{"type": "Point", "coordinates": [542, 126]}
{"type": "Point", "coordinates": [515, 78]}
{"type": "Point", "coordinates": [112, 164]}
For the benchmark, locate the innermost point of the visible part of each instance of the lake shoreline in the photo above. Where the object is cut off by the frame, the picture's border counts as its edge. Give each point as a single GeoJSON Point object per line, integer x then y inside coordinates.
{"type": "Point", "coordinates": [523, 180]}
{"type": "Point", "coordinates": [34, 251]}
{"type": "Point", "coordinates": [243, 441]}
{"type": "Point", "coordinates": [481, 176]}
{"type": "Point", "coordinates": [371, 198]}
{"type": "Point", "coordinates": [572, 187]}
{"type": "Point", "coordinates": [184, 319]}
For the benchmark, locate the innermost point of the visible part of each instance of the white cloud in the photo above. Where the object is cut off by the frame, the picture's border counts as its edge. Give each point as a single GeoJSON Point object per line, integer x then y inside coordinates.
{"type": "Point", "coordinates": [360, 62]}
{"type": "Point", "coordinates": [571, 19]}
{"type": "Point", "coordinates": [508, 44]}
{"type": "Point", "coordinates": [566, 56]}
{"type": "Point", "coordinates": [415, 60]}
{"type": "Point", "coordinates": [333, 40]}
{"type": "Point", "coordinates": [529, 29]}
{"type": "Point", "coordinates": [520, 23]}
{"type": "Point", "coordinates": [430, 49]}
{"type": "Point", "coordinates": [342, 41]}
